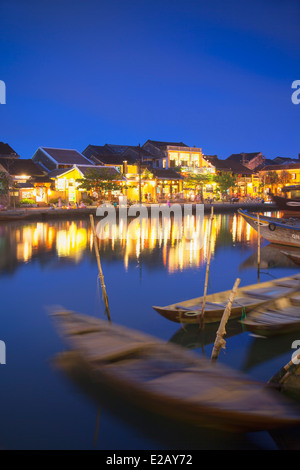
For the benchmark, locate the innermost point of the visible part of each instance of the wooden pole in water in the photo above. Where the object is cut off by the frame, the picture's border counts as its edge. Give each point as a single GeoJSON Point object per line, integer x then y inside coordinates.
{"type": "Point", "coordinates": [258, 247]}
{"type": "Point", "coordinates": [220, 342]}
{"type": "Point", "coordinates": [285, 371]}
{"type": "Point", "coordinates": [105, 298]}
{"type": "Point", "coordinates": [201, 317]}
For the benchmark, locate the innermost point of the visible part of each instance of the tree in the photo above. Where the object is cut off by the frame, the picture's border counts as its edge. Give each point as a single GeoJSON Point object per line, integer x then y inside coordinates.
{"type": "Point", "coordinates": [197, 181]}
{"type": "Point", "coordinates": [285, 177]}
{"type": "Point", "coordinates": [5, 181]}
{"type": "Point", "coordinates": [225, 181]}
{"type": "Point", "coordinates": [272, 179]}
{"type": "Point", "coordinates": [99, 180]}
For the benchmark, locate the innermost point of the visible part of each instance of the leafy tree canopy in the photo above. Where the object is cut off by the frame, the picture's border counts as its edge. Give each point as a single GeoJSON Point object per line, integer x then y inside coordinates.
{"type": "Point", "coordinates": [225, 181]}
{"type": "Point", "coordinates": [99, 181]}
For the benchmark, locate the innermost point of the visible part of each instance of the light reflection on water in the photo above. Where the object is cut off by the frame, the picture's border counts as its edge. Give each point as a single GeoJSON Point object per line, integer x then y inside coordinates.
{"type": "Point", "coordinates": [73, 238]}
{"type": "Point", "coordinates": [54, 263]}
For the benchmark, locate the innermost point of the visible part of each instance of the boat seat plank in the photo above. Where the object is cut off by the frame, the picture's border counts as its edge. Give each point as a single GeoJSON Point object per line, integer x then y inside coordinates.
{"type": "Point", "coordinates": [268, 293]}
{"type": "Point", "coordinates": [197, 308]}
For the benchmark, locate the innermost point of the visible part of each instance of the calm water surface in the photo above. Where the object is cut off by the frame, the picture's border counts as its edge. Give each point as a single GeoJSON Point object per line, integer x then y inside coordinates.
{"type": "Point", "coordinates": [53, 263]}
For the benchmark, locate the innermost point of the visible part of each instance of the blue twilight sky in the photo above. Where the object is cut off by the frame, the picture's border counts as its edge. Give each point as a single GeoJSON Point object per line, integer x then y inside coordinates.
{"type": "Point", "coordinates": [215, 74]}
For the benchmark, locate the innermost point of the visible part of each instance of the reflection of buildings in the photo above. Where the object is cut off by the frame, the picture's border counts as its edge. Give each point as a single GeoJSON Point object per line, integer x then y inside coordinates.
{"type": "Point", "coordinates": [155, 244]}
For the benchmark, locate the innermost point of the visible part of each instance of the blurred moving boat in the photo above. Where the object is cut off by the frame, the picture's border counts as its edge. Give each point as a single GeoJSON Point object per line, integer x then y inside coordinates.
{"type": "Point", "coordinates": [167, 379]}
{"type": "Point", "coordinates": [280, 317]}
{"type": "Point", "coordinates": [247, 299]}
{"type": "Point", "coordinates": [280, 231]}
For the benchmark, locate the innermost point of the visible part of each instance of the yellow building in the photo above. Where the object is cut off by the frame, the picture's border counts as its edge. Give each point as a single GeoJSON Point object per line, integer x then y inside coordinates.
{"type": "Point", "coordinates": [67, 186]}
{"type": "Point", "coordinates": [275, 177]}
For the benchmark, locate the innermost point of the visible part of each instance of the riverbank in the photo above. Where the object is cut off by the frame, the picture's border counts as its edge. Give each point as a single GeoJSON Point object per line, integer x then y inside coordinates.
{"type": "Point", "coordinates": [42, 214]}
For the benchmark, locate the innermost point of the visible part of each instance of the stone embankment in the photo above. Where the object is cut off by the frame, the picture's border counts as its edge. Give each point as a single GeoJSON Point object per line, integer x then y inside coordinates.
{"type": "Point", "coordinates": [42, 214]}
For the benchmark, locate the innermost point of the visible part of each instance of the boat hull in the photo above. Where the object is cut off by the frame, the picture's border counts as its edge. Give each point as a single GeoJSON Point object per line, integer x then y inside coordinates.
{"type": "Point", "coordinates": [169, 380]}
{"type": "Point", "coordinates": [286, 204]}
{"type": "Point", "coordinates": [274, 230]}
{"type": "Point", "coordinates": [247, 299]}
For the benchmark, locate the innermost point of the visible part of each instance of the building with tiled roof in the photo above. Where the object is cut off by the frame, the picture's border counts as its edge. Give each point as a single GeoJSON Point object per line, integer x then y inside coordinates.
{"type": "Point", "coordinates": [55, 158]}
{"type": "Point", "coordinates": [249, 160]}
{"type": "Point", "coordinates": [6, 151]}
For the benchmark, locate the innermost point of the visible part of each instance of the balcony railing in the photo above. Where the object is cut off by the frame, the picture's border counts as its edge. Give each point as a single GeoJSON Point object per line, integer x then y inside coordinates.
{"type": "Point", "coordinates": [197, 170]}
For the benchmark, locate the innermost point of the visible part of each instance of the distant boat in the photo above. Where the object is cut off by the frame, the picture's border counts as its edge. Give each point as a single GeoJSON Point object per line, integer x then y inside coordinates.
{"type": "Point", "coordinates": [278, 318]}
{"type": "Point", "coordinates": [6, 216]}
{"type": "Point", "coordinates": [168, 380]}
{"type": "Point", "coordinates": [247, 298]}
{"type": "Point", "coordinates": [287, 204]}
{"type": "Point", "coordinates": [279, 231]}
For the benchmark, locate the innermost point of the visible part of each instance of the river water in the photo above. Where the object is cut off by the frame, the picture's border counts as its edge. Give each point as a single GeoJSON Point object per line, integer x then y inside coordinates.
{"type": "Point", "coordinates": [53, 263]}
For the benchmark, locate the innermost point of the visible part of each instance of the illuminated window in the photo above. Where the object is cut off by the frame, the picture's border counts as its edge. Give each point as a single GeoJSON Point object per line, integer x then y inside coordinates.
{"type": "Point", "coordinates": [60, 184]}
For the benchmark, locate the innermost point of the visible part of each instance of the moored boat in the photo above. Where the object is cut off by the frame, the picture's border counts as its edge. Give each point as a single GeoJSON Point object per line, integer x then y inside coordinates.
{"type": "Point", "coordinates": [247, 298]}
{"type": "Point", "coordinates": [280, 317]}
{"type": "Point", "coordinates": [169, 380]}
{"type": "Point", "coordinates": [6, 216]}
{"type": "Point", "coordinates": [279, 231]}
{"type": "Point", "coordinates": [288, 205]}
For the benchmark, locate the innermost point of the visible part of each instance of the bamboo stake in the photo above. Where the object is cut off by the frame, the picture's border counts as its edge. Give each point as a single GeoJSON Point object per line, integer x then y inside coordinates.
{"type": "Point", "coordinates": [285, 371]}
{"type": "Point", "coordinates": [105, 298]}
{"type": "Point", "coordinates": [258, 247]}
{"type": "Point", "coordinates": [220, 342]}
{"type": "Point", "coordinates": [201, 317]}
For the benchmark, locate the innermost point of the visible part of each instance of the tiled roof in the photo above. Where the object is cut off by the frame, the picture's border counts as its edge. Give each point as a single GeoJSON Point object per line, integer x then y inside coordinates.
{"type": "Point", "coordinates": [167, 174]}
{"type": "Point", "coordinates": [7, 151]}
{"type": "Point", "coordinates": [227, 165]}
{"type": "Point", "coordinates": [236, 167]}
{"type": "Point", "coordinates": [84, 169]}
{"type": "Point", "coordinates": [66, 156]}
{"type": "Point", "coordinates": [239, 157]}
{"type": "Point", "coordinates": [102, 170]}
{"type": "Point", "coordinates": [21, 166]}
{"type": "Point", "coordinates": [285, 166]}
{"type": "Point", "coordinates": [110, 159]}
{"type": "Point", "coordinates": [160, 144]}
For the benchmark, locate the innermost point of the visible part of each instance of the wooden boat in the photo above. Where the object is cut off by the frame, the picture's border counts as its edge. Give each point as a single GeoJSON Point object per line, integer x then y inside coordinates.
{"type": "Point", "coordinates": [169, 380]}
{"type": "Point", "coordinates": [287, 205]}
{"type": "Point", "coordinates": [280, 317]}
{"type": "Point", "coordinates": [287, 379]}
{"type": "Point", "coordinates": [293, 256]}
{"type": "Point", "coordinates": [279, 231]}
{"type": "Point", "coordinates": [247, 298]}
{"type": "Point", "coordinates": [6, 216]}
